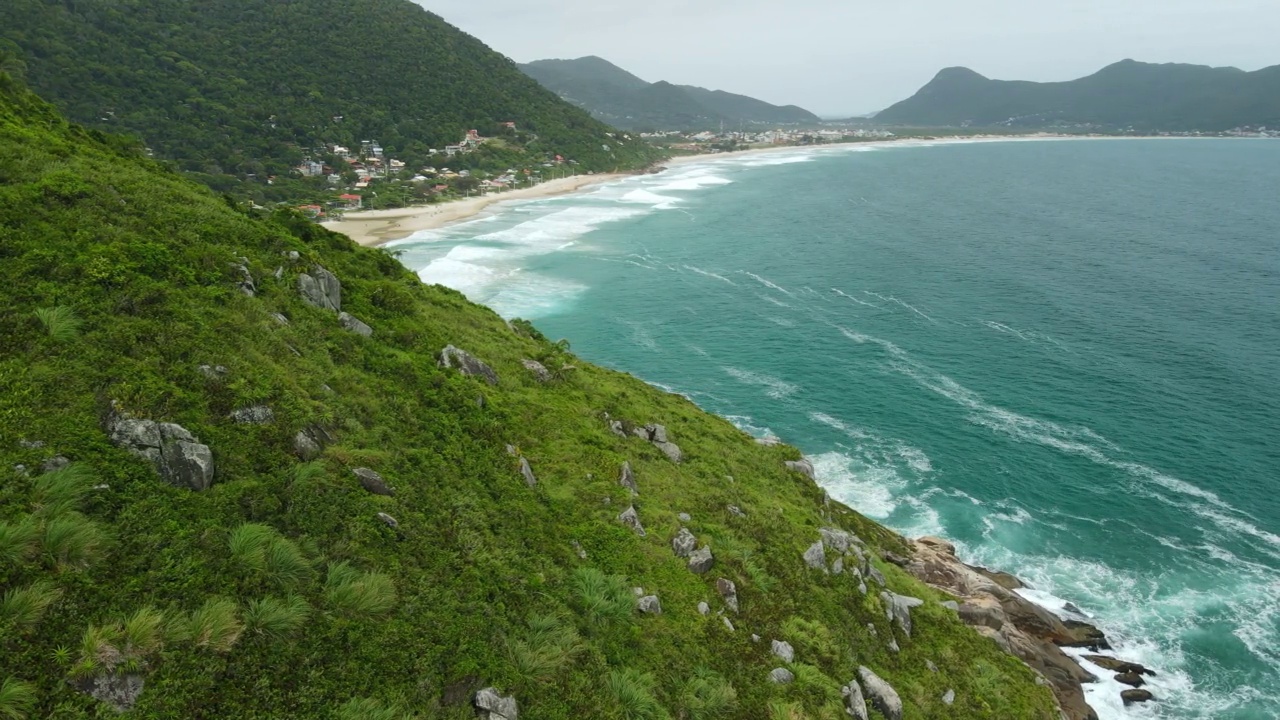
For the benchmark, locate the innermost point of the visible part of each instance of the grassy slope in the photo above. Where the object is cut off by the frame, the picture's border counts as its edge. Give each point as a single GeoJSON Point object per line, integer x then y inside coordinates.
{"type": "Point", "coordinates": [143, 257]}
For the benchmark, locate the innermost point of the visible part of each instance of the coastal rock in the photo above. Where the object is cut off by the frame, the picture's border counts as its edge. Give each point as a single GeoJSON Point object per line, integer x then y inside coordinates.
{"type": "Point", "coordinates": [540, 372]}
{"type": "Point", "coordinates": [804, 467]}
{"type": "Point", "coordinates": [684, 543]}
{"type": "Point", "coordinates": [874, 573]}
{"type": "Point", "coordinates": [388, 520]}
{"type": "Point", "coordinates": [984, 611]}
{"type": "Point", "coordinates": [951, 605]}
{"type": "Point", "coordinates": [373, 482]}
{"type": "Point", "coordinates": [628, 479]}
{"type": "Point", "coordinates": [894, 558]}
{"type": "Point", "coordinates": [1132, 679]}
{"type": "Point", "coordinates": [1118, 665]}
{"type": "Point", "coordinates": [671, 450]}
{"type": "Point", "coordinates": [176, 455]}
{"type": "Point", "coordinates": [783, 651]}
{"type": "Point", "coordinates": [254, 415]}
{"type": "Point", "coordinates": [467, 364]}
{"type": "Point", "coordinates": [657, 433]}
{"type": "Point", "coordinates": [350, 322]}
{"type": "Point", "coordinates": [838, 540]}
{"type": "Point", "coordinates": [492, 705]}
{"type": "Point", "coordinates": [321, 289]}
{"type": "Point", "coordinates": [728, 592]}
{"type": "Point", "coordinates": [815, 558]}
{"type": "Point", "coordinates": [527, 473]}
{"type": "Point", "coordinates": [119, 691]}
{"type": "Point", "coordinates": [1136, 696]}
{"type": "Point", "coordinates": [854, 702]}
{"type": "Point", "coordinates": [769, 441]}
{"type": "Point", "coordinates": [881, 694]}
{"type": "Point", "coordinates": [781, 676]}
{"type": "Point", "coordinates": [649, 605]}
{"type": "Point", "coordinates": [631, 519]}
{"type": "Point", "coordinates": [898, 608]}
{"type": "Point", "coordinates": [701, 560]}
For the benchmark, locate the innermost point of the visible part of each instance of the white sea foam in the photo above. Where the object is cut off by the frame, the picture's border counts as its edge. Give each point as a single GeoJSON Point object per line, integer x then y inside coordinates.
{"type": "Point", "coordinates": [892, 299]}
{"type": "Point", "coordinates": [867, 489]}
{"type": "Point", "coordinates": [693, 179]}
{"type": "Point", "coordinates": [843, 294]}
{"type": "Point", "coordinates": [661, 202]}
{"type": "Point", "coordinates": [775, 301]}
{"type": "Point", "coordinates": [767, 283]}
{"type": "Point", "coordinates": [708, 273]}
{"type": "Point", "coordinates": [774, 387]}
{"type": "Point", "coordinates": [555, 228]}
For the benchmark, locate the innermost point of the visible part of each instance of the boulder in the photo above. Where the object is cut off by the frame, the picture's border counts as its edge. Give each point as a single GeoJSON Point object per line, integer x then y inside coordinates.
{"type": "Point", "coordinates": [781, 676]}
{"type": "Point", "coordinates": [854, 702]}
{"type": "Point", "coordinates": [57, 462]}
{"type": "Point", "coordinates": [703, 608]}
{"type": "Point", "coordinates": [874, 573]}
{"type": "Point", "coordinates": [684, 517]}
{"type": "Point", "coordinates": [631, 519]}
{"type": "Point", "coordinates": [1118, 665]}
{"type": "Point", "coordinates": [373, 482]}
{"type": "Point", "coordinates": [119, 691]}
{"type": "Point", "coordinates": [815, 558]}
{"type": "Point", "coordinates": [898, 608]}
{"type": "Point", "coordinates": [1136, 696]}
{"type": "Point", "coordinates": [933, 667]}
{"type": "Point", "coordinates": [615, 427]}
{"type": "Point", "coordinates": [804, 467]}
{"type": "Point", "coordinates": [728, 624]}
{"type": "Point", "coordinates": [838, 540]}
{"type": "Point", "coordinates": [527, 473]}
{"type": "Point", "coordinates": [657, 433]}
{"type": "Point", "coordinates": [649, 605]}
{"type": "Point", "coordinates": [948, 697]}
{"type": "Point", "coordinates": [882, 695]}
{"type": "Point", "coordinates": [701, 560]}
{"type": "Point", "coordinates": [1132, 679]}
{"type": "Point", "coordinates": [783, 651]}
{"type": "Point", "coordinates": [628, 479]}
{"type": "Point", "coordinates": [350, 322]}
{"type": "Point", "coordinates": [895, 558]}
{"type": "Point", "coordinates": [310, 441]}
{"type": "Point", "coordinates": [684, 543]}
{"type": "Point", "coordinates": [540, 371]}
{"type": "Point", "coordinates": [390, 521]}
{"type": "Point", "coordinates": [320, 289]}
{"type": "Point", "coordinates": [467, 364]}
{"type": "Point", "coordinates": [951, 605]}
{"type": "Point", "coordinates": [173, 451]}
{"type": "Point", "coordinates": [253, 415]}
{"type": "Point", "coordinates": [280, 319]}
{"type": "Point", "coordinates": [671, 450]}
{"type": "Point", "coordinates": [246, 278]}
{"type": "Point", "coordinates": [728, 592]}
{"type": "Point", "coordinates": [492, 705]}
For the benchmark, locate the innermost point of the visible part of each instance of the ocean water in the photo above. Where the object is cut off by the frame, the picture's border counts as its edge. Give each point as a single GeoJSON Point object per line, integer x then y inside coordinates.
{"type": "Point", "coordinates": [1063, 355]}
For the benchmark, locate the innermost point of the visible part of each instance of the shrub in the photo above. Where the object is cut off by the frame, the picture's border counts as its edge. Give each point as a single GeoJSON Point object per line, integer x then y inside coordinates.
{"type": "Point", "coordinates": [22, 608]}
{"type": "Point", "coordinates": [633, 691]}
{"type": "Point", "coordinates": [707, 695]}
{"type": "Point", "coordinates": [604, 599]}
{"type": "Point", "coordinates": [351, 593]}
{"type": "Point", "coordinates": [17, 698]}
{"type": "Point", "coordinates": [275, 617]}
{"type": "Point", "coordinates": [72, 540]}
{"type": "Point", "coordinates": [216, 625]}
{"type": "Point", "coordinates": [60, 322]}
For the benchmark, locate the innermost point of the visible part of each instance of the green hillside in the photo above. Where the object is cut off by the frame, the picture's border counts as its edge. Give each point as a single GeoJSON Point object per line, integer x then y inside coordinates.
{"type": "Point", "coordinates": [1128, 94]}
{"type": "Point", "coordinates": [180, 512]}
{"type": "Point", "coordinates": [236, 91]}
{"type": "Point", "coordinates": [624, 100]}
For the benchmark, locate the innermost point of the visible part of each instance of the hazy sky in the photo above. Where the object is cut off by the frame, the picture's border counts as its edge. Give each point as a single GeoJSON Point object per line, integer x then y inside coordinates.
{"type": "Point", "coordinates": [845, 56]}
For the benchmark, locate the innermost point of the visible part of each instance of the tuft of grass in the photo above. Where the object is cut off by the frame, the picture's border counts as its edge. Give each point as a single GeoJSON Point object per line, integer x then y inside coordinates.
{"type": "Point", "coordinates": [782, 710]}
{"type": "Point", "coordinates": [62, 490]}
{"type": "Point", "coordinates": [22, 608]}
{"type": "Point", "coordinates": [143, 633]}
{"type": "Point", "coordinates": [548, 645]}
{"type": "Point", "coordinates": [19, 541]}
{"type": "Point", "coordinates": [707, 695]}
{"type": "Point", "coordinates": [285, 566]}
{"type": "Point", "coordinates": [249, 543]}
{"type": "Point", "coordinates": [60, 322]}
{"type": "Point", "coordinates": [72, 540]}
{"type": "Point", "coordinates": [351, 593]}
{"type": "Point", "coordinates": [17, 699]}
{"type": "Point", "coordinates": [604, 599]}
{"type": "Point", "coordinates": [275, 617]}
{"type": "Point", "coordinates": [216, 625]}
{"type": "Point", "coordinates": [633, 691]}
{"type": "Point", "coordinates": [367, 709]}
{"type": "Point", "coordinates": [309, 471]}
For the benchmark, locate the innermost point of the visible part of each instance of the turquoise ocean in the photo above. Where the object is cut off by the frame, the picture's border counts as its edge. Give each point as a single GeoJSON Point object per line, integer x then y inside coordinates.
{"type": "Point", "coordinates": [1062, 355]}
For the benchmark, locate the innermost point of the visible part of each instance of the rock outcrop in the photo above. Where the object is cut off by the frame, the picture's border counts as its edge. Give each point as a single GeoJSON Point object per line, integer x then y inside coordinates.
{"type": "Point", "coordinates": [310, 441]}
{"type": "Point", "coordinates": [783, 651]}
{"type": "Point", "coordinates": [373, 482]}
{"type": "Point", "coordinates": [657, 434]}
{"type": "Point", "coordinates": [728, 592]}
{"type": "Point", "coordinates": [631, 519]}
{"type": "Point", "coordinates": [119, 691]}
{"type": "Point", "coordinates": [628, 479]}
{"type": "Point", "coordinates": [321, 289]}
{"type": "Point", "coordinates": [253, 415]}
{"type": "Point", "coordinates": [175, 453]}
{"type": "Point", "coordinates": [649, 605]}
{"type": "Point", "coordinates": [781, 676]}
{"type": "Point", "coordinates": [467, 364]}
{"type": "Point", "coordinates": [492, 705]}
{"type": "Point", "coordinates": [540, 371]}
{"type": "Point", "coordinates": [898, 608]}
{"type": "Point", "coordinates": [804, 467]}
{"type": "Point", "coordinates": [526, 472]}
{"type": "Point", "coordinates": [354, 324]}
{"type": "Point", "coordinates": [701, 560]}
{"type": "Point", "coordinates": [684, 543]}
{"type": "Point", "coordinates": [881, 694]}
{"type": "Point", "coordinates": [815, 557]}
{"type": "Point", "coordinates": [1136, 696]}
{"type": "Point", "coordinates": [855, 703]}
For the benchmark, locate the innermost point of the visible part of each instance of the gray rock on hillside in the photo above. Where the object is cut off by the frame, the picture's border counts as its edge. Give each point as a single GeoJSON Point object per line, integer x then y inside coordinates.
{"type": "Point", "coordinates": [321, 289]}
{"type": "Point", "coordinates": [310, 442]}
{"type": "Point", "coordinates": [527, 473]}
{"type": "Point", "coordinates": [657, 434]}
{"type": "Point", "coordinates": [119, 691]}
{"type": "Point", "coordinates": [540, 371]}
{"type": "Point", "coordinates": [176, 455]}
{"type": "Point", "coordinates": [815, 558]}
{"type": "Point", "coordinates": [492, 705]}
{"type": "Point", "coordinates": [246, 278]}
{"type": "Point", "coordinates": [649, 605]}
{"type": "Point", "coordinates": [388, 520]}
{"type": "Point", "coordinates": [631, 519]}
{"type": "Point", "coordinates": [684, 543]}
{"type": "Point", "coordinates": [729, 592]}
{"type": "Point", "coordinates": [803, 467]}
{"type": "Point", "coordinates": [628, 479]}
{"type": "Point", "coordinates": [253, 415]}
{"type": "Point", "coordinates": [672, 451]}
{"type": "Point", "coordinates": [856, 704]}
{"type": "Point", "coordinates": [898, 608]}
{"type": "Point", "coordinates": [352, 323]}
{"type": "Point", "coordinates": [467, 364]}
{"type": "Point", "coordinates": [701, 560]}
{"type": "Point", "coordinates": [948, 697]}
{"type": "Point", "coordinates": [783, 650]}
{"type": "Point", "coordinates": [373, 482]}
{"type": "Point", "coordinates": [781, 676]}
{"type": "Point", "coordinates": [881, 694]}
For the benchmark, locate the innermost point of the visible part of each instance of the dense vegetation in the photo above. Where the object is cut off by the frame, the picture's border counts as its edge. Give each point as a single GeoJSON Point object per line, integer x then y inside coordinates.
{"type": "Point", "coordinates": [1142, 96]}
{"type": "Point", "coordinates": [280, 592]}
{"type": "Point", "coordinates": [236, 91]}
{"type": "Point", "coordinates": [624, 100]}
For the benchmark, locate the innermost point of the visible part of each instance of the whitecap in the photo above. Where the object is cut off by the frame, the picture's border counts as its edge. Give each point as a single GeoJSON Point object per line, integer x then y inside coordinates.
{"type": "Point", "coordinates": [867, 489]}
{"type": "Point", "coordinates": [707, 273]}
{"type": "Point", "coordinates": [774, 387]}
{"type": "Point", "coordinates": [766, 283]}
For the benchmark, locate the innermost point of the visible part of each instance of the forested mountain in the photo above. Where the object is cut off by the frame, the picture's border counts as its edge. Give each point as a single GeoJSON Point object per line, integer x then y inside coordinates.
{"type": "Point", "coordinates": [1128, 94]}
{"type": "Point", "coordinates": [250, 87]}
{"type": "Point", "coordinates": [247, 473]}
{"type": "Point", "coordinates": [624, 100]}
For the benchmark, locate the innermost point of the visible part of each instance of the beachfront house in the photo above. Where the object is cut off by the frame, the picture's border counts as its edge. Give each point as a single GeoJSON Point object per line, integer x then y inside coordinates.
{"type": "Point", "coordinates": [351, 202]}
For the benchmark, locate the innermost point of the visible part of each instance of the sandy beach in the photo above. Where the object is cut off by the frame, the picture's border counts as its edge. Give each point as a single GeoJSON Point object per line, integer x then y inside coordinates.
{"type": "Point", "coordinates": [375, 227]}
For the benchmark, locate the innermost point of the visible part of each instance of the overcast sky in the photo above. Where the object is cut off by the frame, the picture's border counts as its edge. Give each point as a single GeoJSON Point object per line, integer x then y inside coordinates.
{"type": "Point", "coordinates": [839, 57]}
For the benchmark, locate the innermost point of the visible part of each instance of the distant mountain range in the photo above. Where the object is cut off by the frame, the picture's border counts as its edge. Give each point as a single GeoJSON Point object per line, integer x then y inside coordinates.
{"type": "Point", "coordinates": [1142, 96]}
{"type": "Point", "coordinates": [621, 99]}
